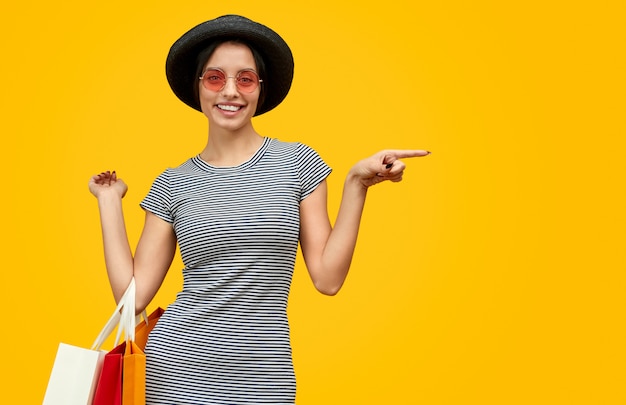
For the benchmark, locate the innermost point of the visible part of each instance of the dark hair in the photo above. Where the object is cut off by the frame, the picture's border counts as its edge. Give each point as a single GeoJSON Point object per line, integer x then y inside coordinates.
{"type": "Point", "coordinates": [207, 52]}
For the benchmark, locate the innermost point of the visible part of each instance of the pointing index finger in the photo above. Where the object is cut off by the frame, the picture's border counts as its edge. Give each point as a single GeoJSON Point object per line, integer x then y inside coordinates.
{"type": "Point", "coordinates": [407, 153]}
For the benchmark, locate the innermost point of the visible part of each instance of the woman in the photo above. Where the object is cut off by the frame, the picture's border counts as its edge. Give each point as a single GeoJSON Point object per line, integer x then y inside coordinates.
{"type": "Point", "coordinates": [237, 211]}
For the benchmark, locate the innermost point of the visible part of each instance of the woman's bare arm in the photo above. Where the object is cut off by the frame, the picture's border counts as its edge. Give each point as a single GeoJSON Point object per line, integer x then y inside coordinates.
{"type": "Point", "coordinates": [327, 250]}
{"type": "Point", "coordinates": [154, 252]}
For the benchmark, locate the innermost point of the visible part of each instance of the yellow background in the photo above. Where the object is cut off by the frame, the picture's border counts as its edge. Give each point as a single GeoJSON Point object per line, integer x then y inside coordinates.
{"type": "Point", "coordinates": [494, 274]}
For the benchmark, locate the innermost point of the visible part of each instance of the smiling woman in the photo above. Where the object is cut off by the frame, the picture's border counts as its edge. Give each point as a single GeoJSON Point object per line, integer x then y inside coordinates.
{"type": "Point", "coordinates": [204, 56]}
{"type": "Point", "coordinates": [237, 211]}
{"type": "Point", "coordinates": [496, 268]}
{"type": "Point", "coordinates": [228, 104]}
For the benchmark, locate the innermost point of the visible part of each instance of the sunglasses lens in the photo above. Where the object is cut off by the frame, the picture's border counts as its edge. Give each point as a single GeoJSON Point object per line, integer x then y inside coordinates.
{"type": "Point", "coordinates": [213, 80]}
{"type": "Point", "coordinates": [247, 81]}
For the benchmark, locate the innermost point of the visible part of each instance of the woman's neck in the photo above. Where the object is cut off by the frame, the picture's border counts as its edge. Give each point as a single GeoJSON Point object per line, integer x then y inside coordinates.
{"type": "Point", "coordinates": [226, 148]}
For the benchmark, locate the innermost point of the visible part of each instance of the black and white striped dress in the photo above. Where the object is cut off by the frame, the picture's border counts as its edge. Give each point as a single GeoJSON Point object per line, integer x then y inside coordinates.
{"type": "Point", "coordinates": [225, 339]}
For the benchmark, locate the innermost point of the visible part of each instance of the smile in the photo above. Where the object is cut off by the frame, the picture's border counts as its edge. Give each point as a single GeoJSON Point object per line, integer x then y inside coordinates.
{"type": "Point", "coordinates": [229, 107]}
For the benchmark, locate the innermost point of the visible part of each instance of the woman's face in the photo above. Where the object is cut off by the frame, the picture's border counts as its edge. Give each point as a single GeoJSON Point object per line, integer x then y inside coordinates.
{"type": "Point", "coordinates": [229, 108]}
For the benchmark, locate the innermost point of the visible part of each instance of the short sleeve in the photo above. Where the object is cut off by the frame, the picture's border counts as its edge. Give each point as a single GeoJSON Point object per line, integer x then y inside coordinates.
{"type": "Point", "coordinates": [158, 200]}
{"type": "Point", "coordinates": [312, 170]}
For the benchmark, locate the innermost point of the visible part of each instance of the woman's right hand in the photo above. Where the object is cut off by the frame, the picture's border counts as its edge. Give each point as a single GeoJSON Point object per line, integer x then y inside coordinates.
{"type": "Point", "coordinates": [107, 182]}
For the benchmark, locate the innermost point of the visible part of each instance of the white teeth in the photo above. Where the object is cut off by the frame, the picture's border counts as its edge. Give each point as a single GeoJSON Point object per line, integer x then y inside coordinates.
{"type": "Point", "coordinates": [228, 107]}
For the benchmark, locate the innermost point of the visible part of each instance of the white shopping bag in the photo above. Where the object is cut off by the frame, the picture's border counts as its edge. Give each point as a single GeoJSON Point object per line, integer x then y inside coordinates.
{"type": "Point", "coordinates": [74, 376]}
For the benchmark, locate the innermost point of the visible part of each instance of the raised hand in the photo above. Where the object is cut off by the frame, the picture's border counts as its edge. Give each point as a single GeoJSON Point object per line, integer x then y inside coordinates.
{"type": "Point", "coordinates": [384, 165]}
{"type": "Point", "coordinates": [107, 182]}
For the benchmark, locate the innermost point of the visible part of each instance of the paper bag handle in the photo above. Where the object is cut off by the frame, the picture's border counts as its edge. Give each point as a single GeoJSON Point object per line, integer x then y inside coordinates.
{"type": "Point", "coordinates": [123, 317]}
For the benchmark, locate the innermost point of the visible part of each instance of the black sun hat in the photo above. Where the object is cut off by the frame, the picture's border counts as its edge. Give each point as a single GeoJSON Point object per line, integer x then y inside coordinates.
{"type": "Point", "coordinates": [181, 63]}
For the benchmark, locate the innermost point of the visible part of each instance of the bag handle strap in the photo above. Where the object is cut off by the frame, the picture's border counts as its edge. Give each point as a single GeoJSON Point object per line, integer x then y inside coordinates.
{"type": "Point", "coordinates": [123, 318]}
{"type": "Point", "coordinates": [127, 318]}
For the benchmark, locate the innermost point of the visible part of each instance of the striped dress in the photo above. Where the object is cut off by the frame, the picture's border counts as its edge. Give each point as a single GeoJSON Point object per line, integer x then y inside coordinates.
{"type": "Point", "coordinates": [225, 339]}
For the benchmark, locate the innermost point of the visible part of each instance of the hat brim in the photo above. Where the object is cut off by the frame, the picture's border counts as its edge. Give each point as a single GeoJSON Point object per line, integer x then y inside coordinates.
{"type": "Point", "coordinates": [180, 66]}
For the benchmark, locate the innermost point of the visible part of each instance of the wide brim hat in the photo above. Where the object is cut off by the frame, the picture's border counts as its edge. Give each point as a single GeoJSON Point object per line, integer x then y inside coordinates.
{"type": "Point", "coordinates": [181, 63]}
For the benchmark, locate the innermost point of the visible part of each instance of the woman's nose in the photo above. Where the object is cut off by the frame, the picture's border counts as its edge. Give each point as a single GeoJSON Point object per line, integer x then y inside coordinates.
{"type": "Point", "coordinates": [230, 87]}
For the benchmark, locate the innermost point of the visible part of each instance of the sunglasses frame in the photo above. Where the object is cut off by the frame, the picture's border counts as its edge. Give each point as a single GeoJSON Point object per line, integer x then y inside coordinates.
{"type": "Point", "coordinates": [242, 89]}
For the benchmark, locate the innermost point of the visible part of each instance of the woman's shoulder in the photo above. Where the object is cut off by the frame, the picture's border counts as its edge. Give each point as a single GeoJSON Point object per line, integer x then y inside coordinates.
{"type": "Point", "coordinates": [189, 166]}
{"type": "Point", "coordinates": [289, 146]}
{"type": "Point", "coordinates": [297, 153]}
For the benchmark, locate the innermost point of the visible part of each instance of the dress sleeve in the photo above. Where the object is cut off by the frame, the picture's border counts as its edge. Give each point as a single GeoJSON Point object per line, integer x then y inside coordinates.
{"type": "Point", "coordinates": [312, 170]}
{"type": "Point", "coordinates": [158, 201]}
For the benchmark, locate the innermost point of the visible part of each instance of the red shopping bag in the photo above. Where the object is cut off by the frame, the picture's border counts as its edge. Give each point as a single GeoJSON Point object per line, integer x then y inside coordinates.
{"type": "Point", "coordinates": [109, 388]}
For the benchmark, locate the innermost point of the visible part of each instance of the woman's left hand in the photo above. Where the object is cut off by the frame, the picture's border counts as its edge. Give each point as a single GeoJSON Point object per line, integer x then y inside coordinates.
{"type": "Point", "coordinates": [384, 165]}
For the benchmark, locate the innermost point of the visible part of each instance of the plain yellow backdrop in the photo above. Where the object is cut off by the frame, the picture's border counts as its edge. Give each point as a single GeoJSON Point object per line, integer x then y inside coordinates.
{"type": "Point", "coordinates": [493, 274]}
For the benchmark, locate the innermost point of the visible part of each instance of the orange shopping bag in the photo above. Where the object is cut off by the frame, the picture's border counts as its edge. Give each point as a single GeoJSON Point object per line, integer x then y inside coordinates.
{"type": "Point", "coordinates": [134, 375]}
{"type": "Point", "coordinates": [144, 328]}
